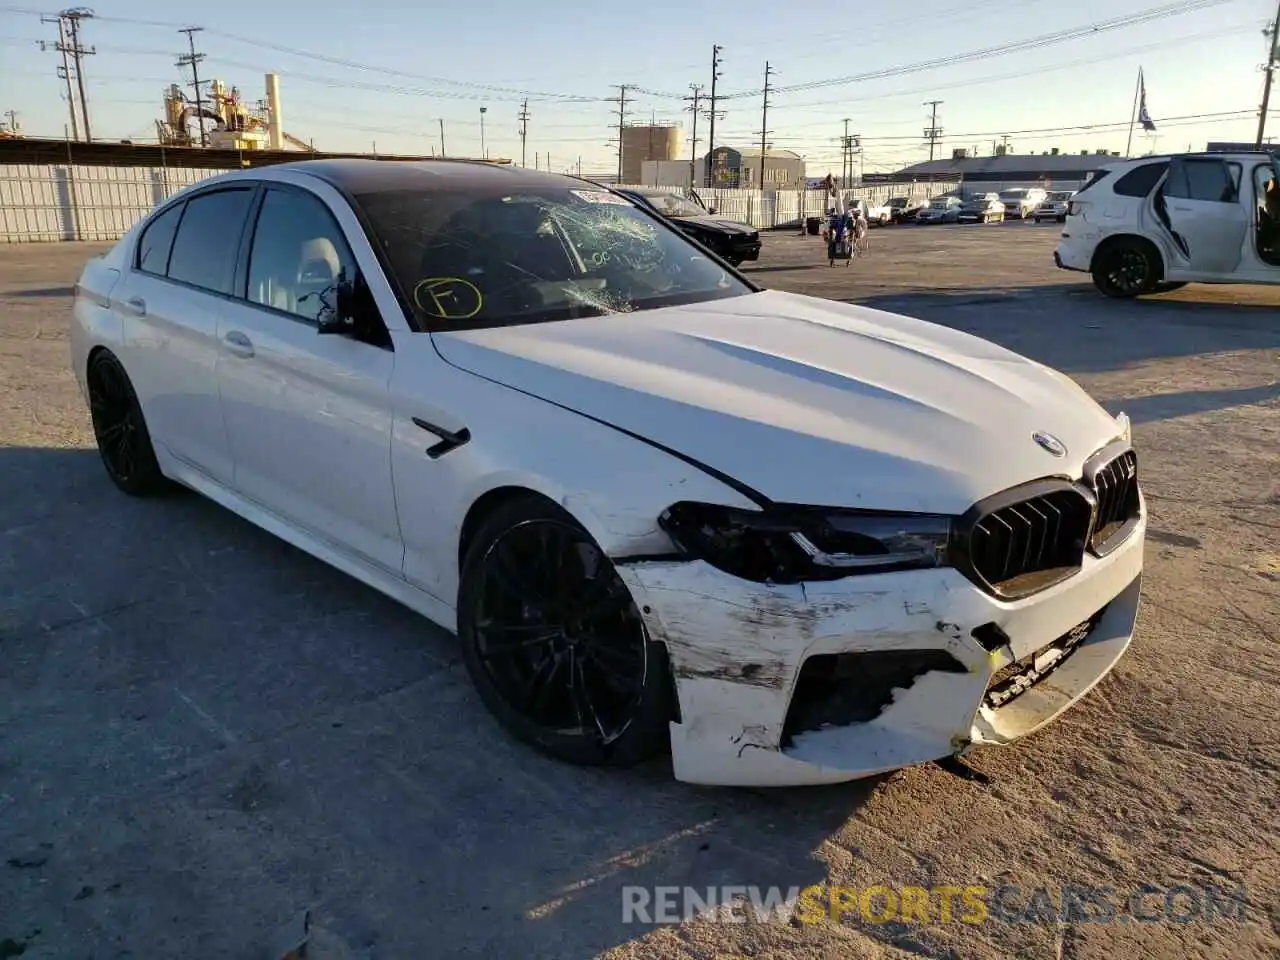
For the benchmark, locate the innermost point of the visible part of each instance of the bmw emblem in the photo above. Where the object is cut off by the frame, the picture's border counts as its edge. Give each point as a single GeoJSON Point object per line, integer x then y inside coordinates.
{"type": "Point", "coordinates": [1049, 443]}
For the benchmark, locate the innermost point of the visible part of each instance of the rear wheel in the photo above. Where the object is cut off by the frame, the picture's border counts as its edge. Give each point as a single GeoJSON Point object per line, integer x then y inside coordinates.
{"type": "Point", "coordinates": [1126, 268]}
{"type": "Point", "coordinates": [554, 642]}
{"type": "Point", "coordinates": [120, 429]}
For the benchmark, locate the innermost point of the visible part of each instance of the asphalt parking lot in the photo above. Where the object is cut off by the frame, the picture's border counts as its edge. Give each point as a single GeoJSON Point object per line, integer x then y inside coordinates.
{"type": "Point", "coordinates": [205, 733]}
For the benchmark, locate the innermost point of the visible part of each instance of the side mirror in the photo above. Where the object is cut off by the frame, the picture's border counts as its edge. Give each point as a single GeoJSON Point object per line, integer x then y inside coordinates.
{"type": "Point", "coordinates": [350, 307]}
{"type": "Point", "coordinates": [338, 317]}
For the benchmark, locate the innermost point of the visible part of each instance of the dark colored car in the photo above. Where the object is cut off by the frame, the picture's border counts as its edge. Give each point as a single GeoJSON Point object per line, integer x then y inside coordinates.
{"type": "Point", "coordinates": [735, 242]}
{"type": "Point", "coordinates": [984, 208]}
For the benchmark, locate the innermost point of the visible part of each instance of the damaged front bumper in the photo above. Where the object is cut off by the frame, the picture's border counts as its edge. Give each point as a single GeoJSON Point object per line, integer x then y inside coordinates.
{"type": "Point", "coordinates": [824, 682]}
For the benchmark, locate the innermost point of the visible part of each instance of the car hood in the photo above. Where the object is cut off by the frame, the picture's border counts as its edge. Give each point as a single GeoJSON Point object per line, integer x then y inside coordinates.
{"type": "Point", "coordinates": [717, 224]}
{"type": "Point", "coordinates": [806, 400]}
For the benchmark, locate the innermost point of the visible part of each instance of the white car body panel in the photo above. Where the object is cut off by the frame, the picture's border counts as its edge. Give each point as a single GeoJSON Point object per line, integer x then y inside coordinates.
{"type": "Point", "coordinates": [616, 418]}
{"type": "Point", "coordinates": [885, 411]}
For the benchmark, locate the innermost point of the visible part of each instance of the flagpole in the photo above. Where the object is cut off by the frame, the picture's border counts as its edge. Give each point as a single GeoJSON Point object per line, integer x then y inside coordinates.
{"type": "Point", "coordinates": [1133, 117]}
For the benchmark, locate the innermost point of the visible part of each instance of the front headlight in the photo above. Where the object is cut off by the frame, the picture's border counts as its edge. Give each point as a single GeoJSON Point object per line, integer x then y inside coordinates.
{"type": "Point", "coordinates": [787, 544]}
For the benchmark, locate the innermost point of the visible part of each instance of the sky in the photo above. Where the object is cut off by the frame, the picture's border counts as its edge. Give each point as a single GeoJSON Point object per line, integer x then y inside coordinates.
{"type": "Point", "coordinates": [382, 78]}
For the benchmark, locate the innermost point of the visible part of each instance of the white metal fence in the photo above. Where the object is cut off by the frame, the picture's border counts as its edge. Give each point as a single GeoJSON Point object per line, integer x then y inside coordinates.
{"type": "Point", "coordinates": [765, 209]}
{"type": "Point", "coordinates": [44, 202]}
{"type": "Point", "coordinates": [49, 202]}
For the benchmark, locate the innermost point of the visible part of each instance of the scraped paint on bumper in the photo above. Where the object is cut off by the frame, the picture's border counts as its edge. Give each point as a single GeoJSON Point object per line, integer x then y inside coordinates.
{"type": "Point", "coordinates": [737, 650]}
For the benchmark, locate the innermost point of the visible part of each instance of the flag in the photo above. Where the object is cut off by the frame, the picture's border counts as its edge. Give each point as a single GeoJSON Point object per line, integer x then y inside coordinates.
{"type": "Point", "coordinates": [1144, 117]}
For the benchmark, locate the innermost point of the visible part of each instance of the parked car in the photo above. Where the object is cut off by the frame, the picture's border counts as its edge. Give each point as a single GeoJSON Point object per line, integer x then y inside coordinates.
{"type": "Point", "coordinates": [1157, 223]}
{"type": "Point", "coordinates": [1020, 201]}
{"type": "Point", "coordinates": [660, 506]}
{"type": "Point", "coordinates": [878, 214]}
{"type": "Point", "coordinates": [904, 209]}
{"type": "Point", "coordinates": [940, 210]}
{"type": "Point", "coordinates": [984, 208]}
{"type": "Point", "coordinates": [1053, 206]}
{"type": "Point", "coordinates": [734, 241]}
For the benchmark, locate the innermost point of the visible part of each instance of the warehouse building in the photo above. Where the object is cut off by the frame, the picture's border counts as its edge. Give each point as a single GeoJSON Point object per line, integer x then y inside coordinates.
{"type": "Point", "coordinates": [731, 167]}
{"type": "Point", "coordinates": [1051, 170]}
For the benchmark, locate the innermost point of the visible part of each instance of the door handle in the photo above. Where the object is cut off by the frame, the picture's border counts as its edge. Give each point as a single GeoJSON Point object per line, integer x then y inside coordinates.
{"type": "Point", "coordinates": [136, 306]}
{"type": "Point", "coordinates": [449, 440]}
{"type": "Point", "coordinates": [238, 344]}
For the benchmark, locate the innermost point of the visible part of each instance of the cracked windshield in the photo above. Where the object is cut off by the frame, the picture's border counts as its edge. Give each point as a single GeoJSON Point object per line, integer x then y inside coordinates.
{"type": "Point", "coordinates": [468, 260]}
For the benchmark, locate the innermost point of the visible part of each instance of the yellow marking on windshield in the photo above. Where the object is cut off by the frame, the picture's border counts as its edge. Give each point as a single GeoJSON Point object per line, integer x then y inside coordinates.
{"type": "Point", "coordinates": [450, 298]}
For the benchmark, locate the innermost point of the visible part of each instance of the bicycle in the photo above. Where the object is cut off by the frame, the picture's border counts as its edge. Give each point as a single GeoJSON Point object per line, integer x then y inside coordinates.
{"type": "Point", "coordinates": [862, 245]}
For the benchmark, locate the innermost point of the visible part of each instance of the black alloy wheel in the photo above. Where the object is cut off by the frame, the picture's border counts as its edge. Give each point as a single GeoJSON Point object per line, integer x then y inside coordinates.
{"type": "Point", "coordinates": [554, 643]}
{"type": "Point", "coordinates": [1125, 269]}
{"type": "Point", "coordinates": [120, 430]}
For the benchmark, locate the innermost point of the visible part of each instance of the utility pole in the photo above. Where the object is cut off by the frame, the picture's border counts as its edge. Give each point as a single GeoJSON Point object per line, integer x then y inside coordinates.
{"type": "Point", "coordinates": [1004, 142]}
{"type": "Point", "coordinates": [934, 132]}
{"type": "Point", "coordinates": [622, 122]}
{"type": "Point", "coordinates": [192, 60]}
{"type": "Point", "coordinates": [523, 117]}
{"type": "Point", "coordinates": [73, 18]}
{"type": "Point", "coordinates": [845, 161]}
{"type": "Point", "coordinates": [62, 48]}
{"type": "Point", "coordinates": [1272, 34]}
{"type": "Point", "coordinates": [695, 105]}
{"type": "Point", "coordinates": [442, 153]}
{"type": "Point", "coordinates": [711, 137]}
{"type": "Point", "coordinates": [764, 121]}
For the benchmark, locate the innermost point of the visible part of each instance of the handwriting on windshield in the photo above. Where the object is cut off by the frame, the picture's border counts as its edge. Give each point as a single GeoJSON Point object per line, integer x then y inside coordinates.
{"type": "Point", "coordinates": [449, 298]}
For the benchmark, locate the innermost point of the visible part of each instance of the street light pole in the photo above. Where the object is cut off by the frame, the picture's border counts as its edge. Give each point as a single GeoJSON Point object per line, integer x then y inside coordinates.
{"type": "Point", "coordinates": [484, 154]}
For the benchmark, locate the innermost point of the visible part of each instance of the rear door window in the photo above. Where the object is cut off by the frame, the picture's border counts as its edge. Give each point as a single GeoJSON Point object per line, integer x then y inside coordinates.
{"type": "Point", "coordinates": [204, 250]}
{"type": "Point", "coordinates": [1141, 180]}
{"type": "Point", "coordinates": [157, 240]}
{"type": "Point", "coordinates": [1199, 179]}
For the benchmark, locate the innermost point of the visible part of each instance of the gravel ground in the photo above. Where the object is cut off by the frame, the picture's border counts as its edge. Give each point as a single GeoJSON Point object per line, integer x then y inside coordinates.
{"type": "Point", "coordinates": [204, 733]}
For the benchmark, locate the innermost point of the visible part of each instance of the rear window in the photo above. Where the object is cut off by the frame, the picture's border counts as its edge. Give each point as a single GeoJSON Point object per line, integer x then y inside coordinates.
{"type": "Point", "coordinates": [157, 240]}
{"type": "Point", "coordinates": [1141, 181]}
{"type": "Point", "coordinates": [205, 248]}
{"type": "Point", "coordinates": [1094, 178]}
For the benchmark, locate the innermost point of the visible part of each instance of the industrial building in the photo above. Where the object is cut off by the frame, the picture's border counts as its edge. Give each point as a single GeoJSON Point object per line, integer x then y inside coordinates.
{"type": "Point", "coordinates": [731, 167]}
{"type": "Point", "coordinates": [650, 143]}
{"type": "Point", "coordinates": [1051, 170]}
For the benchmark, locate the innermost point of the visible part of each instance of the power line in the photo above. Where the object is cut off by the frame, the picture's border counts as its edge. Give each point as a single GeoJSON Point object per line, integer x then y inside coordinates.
{"type": "Point", "coordinates": [1057, 38]}
{"type": "Point", "coordinates": [711, 137]}
{"type": "Point", "coordinates": [933, 132]}
{"type": "Point", "coordinates": [192, 60]}
{"type": "Point", "coordinates": [764, 122]}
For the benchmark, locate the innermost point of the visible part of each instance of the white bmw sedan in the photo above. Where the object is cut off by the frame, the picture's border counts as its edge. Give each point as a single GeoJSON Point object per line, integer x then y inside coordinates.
{"type": "Point", "coordinates": [790, 540]}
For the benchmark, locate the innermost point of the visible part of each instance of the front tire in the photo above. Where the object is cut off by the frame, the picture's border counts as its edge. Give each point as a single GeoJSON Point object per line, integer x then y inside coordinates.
{"type": "Point", "coordinates": [1126, 268]}
{"type": "Point", "coordinates": [120, 429]}
{"type": "Point", "coordinates": [554, 643]}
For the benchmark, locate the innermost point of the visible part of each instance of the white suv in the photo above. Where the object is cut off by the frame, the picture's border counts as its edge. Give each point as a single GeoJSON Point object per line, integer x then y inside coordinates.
{"type": "Point", "coordinates": [1157, 223]}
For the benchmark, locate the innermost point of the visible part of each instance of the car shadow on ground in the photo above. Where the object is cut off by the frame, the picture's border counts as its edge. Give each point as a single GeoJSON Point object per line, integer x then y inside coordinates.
{"type": "Point", "coordinates": [1073, 328]}
{"type": "Point", "coordinates": [208, 731]}
{"type": "Point", "coordinates": [42, 293]}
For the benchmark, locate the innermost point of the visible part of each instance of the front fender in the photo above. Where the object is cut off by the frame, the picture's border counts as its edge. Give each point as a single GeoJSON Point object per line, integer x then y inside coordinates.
{"type": "Point", "coordinates": [615, 485]}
